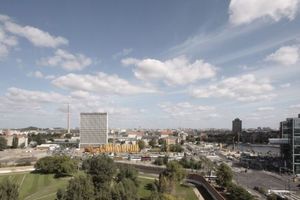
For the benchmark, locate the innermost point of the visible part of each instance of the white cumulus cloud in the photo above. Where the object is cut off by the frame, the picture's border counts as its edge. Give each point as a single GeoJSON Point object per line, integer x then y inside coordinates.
{"type": "Point", "coordinates": [287, 55]}
{"type": "Point", "coordinates": [184, 108]}
{"type": "Point", "coordinates": [246, 11]}
{"type": "Point", "coordinates": [6, 43]}
{"type": "Point", "coordinates": [295, 106]}
{"type": "Point", "coordinates": [101, 82]}
{"type": "Point", "coordinates": [242, 88]}
{"type": "Point", "coordinates": [177, 71]}
{"type": "Point", "coordinates": [66, 60]}
{"type": "Point", "coordinates": [30, 96]}
{"type": "Point", "coordinates": [265, 108]}
{"type": "Point", "coordinates": [39, 74]}
{"type": "Point", "coordinates": [36, 36]}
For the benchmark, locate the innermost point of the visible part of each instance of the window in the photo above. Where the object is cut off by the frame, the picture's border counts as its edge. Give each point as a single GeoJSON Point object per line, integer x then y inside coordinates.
{"type": "Point", "coordinates": [297, 159]}
{"type": "Point", "coordinates": [297, 140]}
{"type": "Point", "coordinates": [297, 150]}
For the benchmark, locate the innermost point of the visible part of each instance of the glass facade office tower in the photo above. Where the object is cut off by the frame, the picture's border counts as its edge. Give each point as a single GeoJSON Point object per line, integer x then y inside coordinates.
{"type": "Point", "coordinates": [290, 131]}
{"type": "Point", "coordinates": [93, 129]}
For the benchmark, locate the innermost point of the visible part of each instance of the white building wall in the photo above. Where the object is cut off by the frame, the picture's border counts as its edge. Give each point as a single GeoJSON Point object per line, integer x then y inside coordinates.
{"type": "Point", "coordinates": [93, 129]}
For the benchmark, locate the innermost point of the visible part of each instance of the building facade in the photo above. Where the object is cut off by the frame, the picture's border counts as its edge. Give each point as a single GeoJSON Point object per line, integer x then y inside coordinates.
{"type": "Point", "coordinates": [93, 129]}
{"type": "Point", "coordinates": [237, 126]}
{"type": "Point", "coordinates": [290, 145]}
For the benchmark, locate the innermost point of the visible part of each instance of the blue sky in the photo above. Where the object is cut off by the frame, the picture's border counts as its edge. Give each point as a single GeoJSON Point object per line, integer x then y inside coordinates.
{"type": "Point", "coordinates": [152, 64]}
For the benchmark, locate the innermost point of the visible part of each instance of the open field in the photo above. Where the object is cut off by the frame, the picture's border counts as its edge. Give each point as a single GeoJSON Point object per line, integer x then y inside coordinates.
{"type": "Point", "coordinates": [36, 186]}
{"type": "Point", "coordinates": [44, 187]}
{"type": "Point", "coordinates": [181, 191]}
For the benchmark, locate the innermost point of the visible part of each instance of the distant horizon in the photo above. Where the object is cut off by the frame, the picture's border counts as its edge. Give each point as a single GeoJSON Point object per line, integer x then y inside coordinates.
{"type": "Point", "coordinates": [150, 64]}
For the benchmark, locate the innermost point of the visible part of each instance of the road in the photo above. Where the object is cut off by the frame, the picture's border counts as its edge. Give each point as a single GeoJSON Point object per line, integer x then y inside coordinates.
{"type": "Point", "coordinates": [265, 180]}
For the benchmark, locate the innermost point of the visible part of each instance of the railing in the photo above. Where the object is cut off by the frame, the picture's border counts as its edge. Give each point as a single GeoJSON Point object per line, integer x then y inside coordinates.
{"type": "Point", "coordinates": [200, 181]}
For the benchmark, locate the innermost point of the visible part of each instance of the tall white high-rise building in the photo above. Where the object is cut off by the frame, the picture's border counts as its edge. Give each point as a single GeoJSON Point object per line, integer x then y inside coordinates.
{"type": "Point", "coordinates": [93, 129]}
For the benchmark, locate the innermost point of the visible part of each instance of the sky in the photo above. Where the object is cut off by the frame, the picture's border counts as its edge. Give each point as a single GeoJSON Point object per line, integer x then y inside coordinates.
{"type": "Point", "coordinates": [150, 64]}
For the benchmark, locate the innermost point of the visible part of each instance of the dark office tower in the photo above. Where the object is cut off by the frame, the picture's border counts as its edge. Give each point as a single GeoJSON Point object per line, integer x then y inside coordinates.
{"type": "Point", "coordinates": [290, 143]}
{"type": "Point", "coordinates": [237, 126]}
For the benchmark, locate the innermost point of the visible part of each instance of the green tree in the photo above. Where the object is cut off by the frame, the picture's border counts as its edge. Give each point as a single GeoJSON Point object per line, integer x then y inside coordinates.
{"type": "Point", "coordinates": [224, 175]}
{"type": "Point", "coordinates": [110, 140]}
{"type": "Point", "coordinates": [101, 168]}
{"type": "Point", "coordinates": [104, 192]}
{"type": "Point", "coordinates": [172, 175]}
{"type": "Point", "coordinates": [161, 160]}
{"type": "Point", "coordinates": [9, 190]}
{"type": "Point", "coordinates": [141, 144]}
{"type": "Point", "coordinates": [161, 141]}
{"type": "Point", "coordinates": [238, 193]}
{"type": "Point", "coordinates": [58, 165]}
{"type": "Point", "coordinates": [175, 171]}
{"type": "Point", "coordinates": [153, 142]}
{"type": "Point", "coordinates": [15, 142]}
{"type": "Point", "coordinates": [3, 143]}
{"type": "Point", "coordinates": [65, 166]}
{"type": "Point", "coordinates": [130, 190]}
{"type": "Point", "coordinates": [272, 197]}
{"type": "Point", "coordinates": [60, 194]}
{"type": "Point", "coordinates": [176, 148]}
{"type": "Point", "coordinates": [80, 188]}
{"type": "Point", "coordinates": [190, 138]}
{"type": "Point", "coordinates": [158, 161]}
{"type": "Point", "coordinates": [127, 172]}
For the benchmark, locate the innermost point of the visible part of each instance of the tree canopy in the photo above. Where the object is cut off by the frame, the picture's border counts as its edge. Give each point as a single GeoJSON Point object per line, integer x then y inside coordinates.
{"type": "Point", "coordinates": [111, 181]}
{"type": "Point", "coordinates": [9, 190]}
{"type": "Point", "coordinates": [172, 175]}
{"type": "Point", "coordinates": [224, 175]}
{"type": "Point", "coordinates": [238, 193]}
{"type": "Point", "coordinates": [3, 143]}
{"type": "Point", "coordinates": [15, 142]}
{"type": "Point", "coordinates": [141, 144]}
{"type": "Point", "coordinates": [58, 165]}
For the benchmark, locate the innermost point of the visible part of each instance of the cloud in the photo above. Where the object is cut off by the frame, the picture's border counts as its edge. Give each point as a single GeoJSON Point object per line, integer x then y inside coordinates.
{"type": "Point", "coordinates": [265, 108]}
{"type": "Point", "coordinates": [101, 82]}
{"type": "Point", "coordinates": [124, 52]}
{"type": "Point", "coordinates": [246, 11]}
{"type": "Point", "coordinates": [21, 95]}
{"type": "Point", "coordinates": [177, 71]}
{"type": "Point", "coordinates": [66, 60]}
{"type": "Point", "coordinates": [6, 43]}
{"type": "Point", "coordinates": [36, 36]}
{"type": "Point", "coordinates": [295, 106]}
{"type": "Point", "coordinates": [214, 115]}
{"type": "Point", "coordinates": [285, 85]}
{"type": "Point", "coordinates": [287, 55]}
{"type": "Point", "coordinates": [242, 88]}
{"type": "Point", "coordinates": [33, 102]}
{"type": "Point", "coordinates": [184, 109]}
{"type": "Point", "coordinates": [39, 74]}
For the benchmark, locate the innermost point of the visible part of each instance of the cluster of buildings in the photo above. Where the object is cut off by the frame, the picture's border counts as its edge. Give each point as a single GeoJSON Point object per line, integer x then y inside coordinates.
{"type": "Point", "coordinates": [289, 142]}
{"type": "Point", "coordinates": [94, 132]}
{"type": "Point", "coordinates": [15, 135]}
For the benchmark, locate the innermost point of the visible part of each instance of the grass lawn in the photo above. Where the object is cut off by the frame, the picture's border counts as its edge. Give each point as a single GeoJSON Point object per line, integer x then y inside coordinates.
{"type": "Point", "coordinates": [36, 186]}
{"type": "Point", "coordinates": [44, 187]}
{"type": "Point", "coordinates": [181, 191]}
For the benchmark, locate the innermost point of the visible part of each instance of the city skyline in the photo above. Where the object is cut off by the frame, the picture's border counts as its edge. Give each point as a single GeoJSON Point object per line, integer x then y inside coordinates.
{"type": "Point", "coordinates": [170, 64]}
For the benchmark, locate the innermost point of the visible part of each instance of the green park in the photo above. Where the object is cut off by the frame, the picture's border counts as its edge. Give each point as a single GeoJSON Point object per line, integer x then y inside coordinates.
{"type": "Point", "coordinates": [42, 185]}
